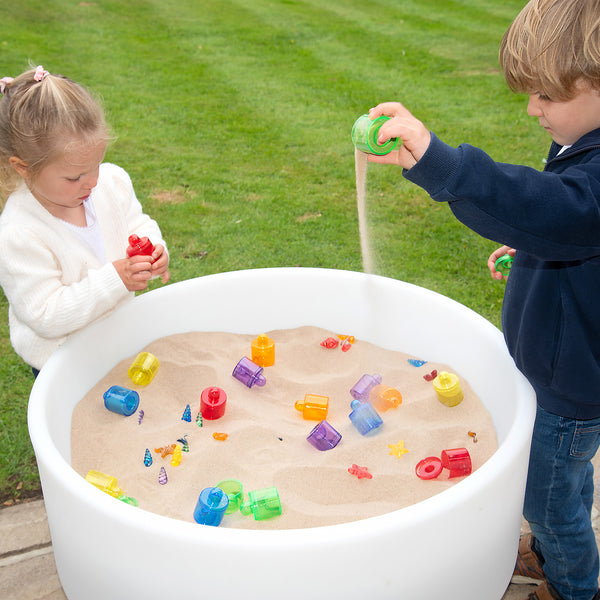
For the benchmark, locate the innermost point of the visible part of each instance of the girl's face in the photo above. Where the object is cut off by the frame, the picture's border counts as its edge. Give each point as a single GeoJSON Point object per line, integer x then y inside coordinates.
{"type": "Point", "coordinates": [63, 184]}
{"type": "Point", "coordinates": [567, 121]}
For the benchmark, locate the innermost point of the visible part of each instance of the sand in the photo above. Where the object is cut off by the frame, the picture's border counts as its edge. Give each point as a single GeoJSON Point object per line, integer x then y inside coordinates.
{"type": "Point", "coordinates": [360, 167]}
{"type": "Point", "coordinates": [266, 444]}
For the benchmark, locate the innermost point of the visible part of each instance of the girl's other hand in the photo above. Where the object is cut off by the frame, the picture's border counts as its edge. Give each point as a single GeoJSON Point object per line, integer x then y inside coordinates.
{"type": "Point", "coordinates": [160, 263]}
{"type": "Point", "coordinates": [135, 272]}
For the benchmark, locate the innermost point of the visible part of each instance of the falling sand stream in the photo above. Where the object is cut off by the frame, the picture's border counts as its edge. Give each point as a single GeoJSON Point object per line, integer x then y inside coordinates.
{"type": "Point", "coordinates": [360, 165]}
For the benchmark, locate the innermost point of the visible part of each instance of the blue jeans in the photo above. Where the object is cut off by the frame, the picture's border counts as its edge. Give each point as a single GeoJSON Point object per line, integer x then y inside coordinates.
{"type": "Point", "coordinates": [558, 502]}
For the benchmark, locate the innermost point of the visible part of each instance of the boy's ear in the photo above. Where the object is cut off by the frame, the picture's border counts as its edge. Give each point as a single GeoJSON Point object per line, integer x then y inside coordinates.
{"type": "Point", "coordinates": [19, 166]}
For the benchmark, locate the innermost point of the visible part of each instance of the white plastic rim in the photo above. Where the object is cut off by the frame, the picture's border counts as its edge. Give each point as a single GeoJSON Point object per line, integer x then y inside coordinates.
{"type": "Point", "coordinates": [459, 544]}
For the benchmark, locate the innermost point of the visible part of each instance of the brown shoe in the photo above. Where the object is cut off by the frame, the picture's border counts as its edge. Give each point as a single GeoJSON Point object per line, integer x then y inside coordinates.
{"type": "Point", "coordinates": [542, 592]}
{"type": "Point", "coordinates": [528, 568]}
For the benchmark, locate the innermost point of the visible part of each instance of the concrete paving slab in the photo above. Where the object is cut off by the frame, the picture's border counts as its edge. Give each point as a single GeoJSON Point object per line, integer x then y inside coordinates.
{"type": "Point", "coordinates": [30, 576]}
{"type": "Point", "coordinates": [23, 526]}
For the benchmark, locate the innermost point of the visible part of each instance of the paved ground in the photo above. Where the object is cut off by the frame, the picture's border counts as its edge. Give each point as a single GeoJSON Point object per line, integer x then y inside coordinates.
{"type": "Point", "coordinates": [28, 571]}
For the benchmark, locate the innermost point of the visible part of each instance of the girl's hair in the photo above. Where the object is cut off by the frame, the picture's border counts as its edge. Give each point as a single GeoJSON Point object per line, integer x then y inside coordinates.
{"type": "Point", "coordinates": [550, 46]}
{"type": "Point", "coordinates": [40, 115]}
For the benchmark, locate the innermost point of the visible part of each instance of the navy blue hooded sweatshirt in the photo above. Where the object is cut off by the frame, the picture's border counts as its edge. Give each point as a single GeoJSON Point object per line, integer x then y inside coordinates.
{"type": "Point", "coordinates": [551, 310]}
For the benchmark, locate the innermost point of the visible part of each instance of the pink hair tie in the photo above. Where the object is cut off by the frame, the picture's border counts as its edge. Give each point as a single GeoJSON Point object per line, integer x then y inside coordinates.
{"type": "Point", "coordinates": [40, 74]}
{"type": "Point", "coordinates": [4, 82]}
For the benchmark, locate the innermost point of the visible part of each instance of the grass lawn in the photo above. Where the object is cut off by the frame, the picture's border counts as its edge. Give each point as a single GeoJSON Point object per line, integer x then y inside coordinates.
{"type": "Point", "coordinates": [233, 118]}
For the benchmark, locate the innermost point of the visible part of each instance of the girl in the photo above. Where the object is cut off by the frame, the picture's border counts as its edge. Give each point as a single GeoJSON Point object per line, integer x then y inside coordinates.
{"type": "Point", "coordinates": [67, 217]}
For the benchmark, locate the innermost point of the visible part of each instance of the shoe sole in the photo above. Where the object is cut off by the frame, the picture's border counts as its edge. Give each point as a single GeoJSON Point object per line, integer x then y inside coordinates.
{"type": "Point", "coordinates": [523, 580]}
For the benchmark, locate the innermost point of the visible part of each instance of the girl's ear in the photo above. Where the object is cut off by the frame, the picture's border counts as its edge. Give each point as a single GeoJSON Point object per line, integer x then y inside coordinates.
{"type": "Point", "coordinates": [19, 166]}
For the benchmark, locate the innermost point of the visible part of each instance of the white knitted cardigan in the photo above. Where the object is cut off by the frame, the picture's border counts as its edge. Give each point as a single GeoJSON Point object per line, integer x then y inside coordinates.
{"type": "Point", "coordinates": [54, 283]}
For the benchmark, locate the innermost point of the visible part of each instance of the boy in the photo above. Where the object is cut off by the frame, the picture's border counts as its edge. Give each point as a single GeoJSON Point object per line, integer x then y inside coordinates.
{"type": "Point", "coordinates": [550, 221]}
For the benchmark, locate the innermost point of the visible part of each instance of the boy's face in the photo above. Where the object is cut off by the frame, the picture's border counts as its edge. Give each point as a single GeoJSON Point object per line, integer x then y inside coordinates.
{"type": "Point", "coordinates": [567, 121]}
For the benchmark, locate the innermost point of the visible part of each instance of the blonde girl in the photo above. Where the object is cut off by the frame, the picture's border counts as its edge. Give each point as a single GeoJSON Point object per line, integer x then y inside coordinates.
{"type": "Point", "coordinates": [67, 215]}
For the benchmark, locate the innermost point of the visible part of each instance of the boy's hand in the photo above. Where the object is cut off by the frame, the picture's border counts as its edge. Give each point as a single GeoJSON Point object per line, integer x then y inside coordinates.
{"type": "Point", "coordinates": [160, 263]}
{"type": "Point", "coordinates": [415, 137]}
{"type": "Point", "coordinates": [494, 257]}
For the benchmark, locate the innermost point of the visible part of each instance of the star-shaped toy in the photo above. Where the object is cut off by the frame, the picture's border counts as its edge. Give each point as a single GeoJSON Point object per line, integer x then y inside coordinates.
{"type": "Point", "coordinates": [360, 472]}
{"type": "Point", "coordinates": [164, 450]}
{"type": "Point", "coordinates": [398, 449]}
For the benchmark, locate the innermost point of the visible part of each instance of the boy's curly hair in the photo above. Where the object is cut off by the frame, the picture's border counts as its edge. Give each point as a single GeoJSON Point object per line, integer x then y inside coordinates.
{"type": "Point", "coordinates": [551, 46]}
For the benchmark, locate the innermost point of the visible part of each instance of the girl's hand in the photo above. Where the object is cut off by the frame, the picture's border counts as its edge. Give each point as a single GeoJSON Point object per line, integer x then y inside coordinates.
{"type": "Point", "coordinates": [415, 137]}
{"type": "Point", "coordinates": [135, 272]}
{"type": "Point", "coordinates": [160, 263]}
{"type": "Point", "coordinates": [494, 257]}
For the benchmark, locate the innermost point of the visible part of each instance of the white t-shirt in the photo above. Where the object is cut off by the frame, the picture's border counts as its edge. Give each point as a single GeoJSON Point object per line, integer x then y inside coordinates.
{"type": "Point", "coordinates": [90, 234]}
{"type": "Point", "coordinates": [563, 149]}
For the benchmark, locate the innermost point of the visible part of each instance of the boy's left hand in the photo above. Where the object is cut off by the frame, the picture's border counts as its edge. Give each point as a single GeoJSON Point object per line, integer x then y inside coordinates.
{"type": "Point", "coordinates": [494, 257]}
{"type": "Point", "coordinates": [160, 263]}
